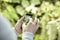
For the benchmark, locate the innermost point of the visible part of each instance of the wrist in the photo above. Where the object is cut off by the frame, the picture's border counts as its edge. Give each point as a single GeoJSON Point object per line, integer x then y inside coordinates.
{"type": "Point", "coordinates": [29, 31]}
{"type": "Point", "coordinates": [27, 35]}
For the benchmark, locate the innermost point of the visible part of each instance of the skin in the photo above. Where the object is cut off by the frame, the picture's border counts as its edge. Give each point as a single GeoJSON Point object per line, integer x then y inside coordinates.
{"type": "Point", "coordinates": [19, 25]}
{"type": "Point", "coordinates": [32, 26]}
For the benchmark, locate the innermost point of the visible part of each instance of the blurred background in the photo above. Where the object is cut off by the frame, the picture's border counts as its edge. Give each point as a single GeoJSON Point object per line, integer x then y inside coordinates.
{"type": "Point", "coordinates": [47, 11]}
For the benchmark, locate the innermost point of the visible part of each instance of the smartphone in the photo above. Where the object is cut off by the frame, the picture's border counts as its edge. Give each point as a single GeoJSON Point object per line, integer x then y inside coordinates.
{"type": "Point", "coordinates": [26, 19]}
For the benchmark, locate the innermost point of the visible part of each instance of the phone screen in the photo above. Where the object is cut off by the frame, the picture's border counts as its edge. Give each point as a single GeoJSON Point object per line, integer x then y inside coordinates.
{"type": "Point", "coordinates": [26, 20]}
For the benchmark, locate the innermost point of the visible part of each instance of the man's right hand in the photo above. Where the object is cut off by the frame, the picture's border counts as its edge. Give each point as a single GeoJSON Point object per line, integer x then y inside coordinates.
{"type": "Point", "coordinates": [31, 26]}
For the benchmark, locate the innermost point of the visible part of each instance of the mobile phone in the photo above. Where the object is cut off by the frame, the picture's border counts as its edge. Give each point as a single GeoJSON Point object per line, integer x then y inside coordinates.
{"type": "Point", "coordinates": [26, 19]}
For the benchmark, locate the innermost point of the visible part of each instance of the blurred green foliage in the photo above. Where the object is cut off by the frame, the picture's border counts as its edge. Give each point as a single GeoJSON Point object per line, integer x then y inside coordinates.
{"type": "Point", "coordinates": [44, 10]}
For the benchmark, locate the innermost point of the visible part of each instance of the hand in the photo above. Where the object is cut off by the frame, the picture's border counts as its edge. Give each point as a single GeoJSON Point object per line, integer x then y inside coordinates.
{"type": "Point", "coordinates": [19, 25]}
{"type": "Point", "coordinates": [31, 26]}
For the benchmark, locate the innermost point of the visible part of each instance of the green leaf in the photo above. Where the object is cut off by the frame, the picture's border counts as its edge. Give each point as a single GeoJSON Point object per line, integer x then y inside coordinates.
{"type": "Point", "coordinates": [35, 2]}
{"type": "Point", "coordinates": [57, 3]}
{"type": "Point", "coordinates": [7, 0]}
{"type": "Point", "coordinates": [20, 10]}
{"type": "Point", "coordinates": [12, 12]}
{"type": "Point", "coordinates": [16, 1]}
{"type": "Point", "coordinates": [12, 1]}
{"type": "Point", "coordinates": [25, 3]}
